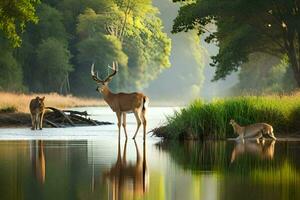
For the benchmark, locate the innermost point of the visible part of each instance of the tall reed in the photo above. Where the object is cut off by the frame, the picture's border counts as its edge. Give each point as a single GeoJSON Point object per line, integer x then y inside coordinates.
{"type": "Point", "coordinates": [211, 120]}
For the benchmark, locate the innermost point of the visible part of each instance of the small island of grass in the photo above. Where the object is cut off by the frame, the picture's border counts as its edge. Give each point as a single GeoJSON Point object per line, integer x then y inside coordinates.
{"type": "Point", "coordinates": [201, 120]}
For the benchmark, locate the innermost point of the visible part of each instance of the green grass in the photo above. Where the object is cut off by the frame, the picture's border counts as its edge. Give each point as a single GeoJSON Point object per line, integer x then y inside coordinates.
{"type": "Point", "coordinates": [211, 120]}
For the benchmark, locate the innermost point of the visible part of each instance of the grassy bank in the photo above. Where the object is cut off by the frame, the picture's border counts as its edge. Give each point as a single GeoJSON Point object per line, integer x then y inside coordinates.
{"type": "Point", "coordinates": [211, 120]}
{"type": "Point", "coordinates": [20, 102]}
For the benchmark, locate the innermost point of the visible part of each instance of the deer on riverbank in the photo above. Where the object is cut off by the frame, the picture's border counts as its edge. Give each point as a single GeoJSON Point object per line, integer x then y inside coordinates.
{"type": "Point", "coordinates": [255, 131]}
{"type": "Point", "coordinates": [122, 103]}
{"type": "Point", "coordinates": [37, 110]}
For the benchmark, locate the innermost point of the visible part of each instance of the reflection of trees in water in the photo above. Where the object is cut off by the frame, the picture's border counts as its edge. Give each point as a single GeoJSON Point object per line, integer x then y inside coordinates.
{"type": "Point", "coordinates": [38, 160]}
{"type": "Point", "coordinates": [247, 171]}
{"type": "Point", "coordinates": [231, 157]}
{"type": "Point", "coordinates": [126, 179]}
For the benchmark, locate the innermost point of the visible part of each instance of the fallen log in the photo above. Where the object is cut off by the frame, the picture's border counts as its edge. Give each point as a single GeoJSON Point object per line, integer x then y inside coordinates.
{"type": "Point", "coordinates": [79, 118]}
{"type": "Point", "coordinates": [64, 118]}
{"type": "Point", "coordinates": [51, 123]}
{"type": "Point", "coordinates": [53, 118]}
{"type": "Point", "coordinates": [62, 114]}
{"type": "Point", "coordinates": [84, 113]}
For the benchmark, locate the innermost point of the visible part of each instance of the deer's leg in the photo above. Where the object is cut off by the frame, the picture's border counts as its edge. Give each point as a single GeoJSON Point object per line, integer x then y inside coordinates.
{"type": "Point", "coordinates": [41, 120]}
{"type": "Point", "coordinates": [36, 121]}
{"type": "Point", "coordinates": [138, 156]}
{"type": "Point", "coordinates": [119, 116]}
{"type": "Point", "coordinates": [124, 123]}
{"type": "Point", "coordinates": [124, 159]}
{"type": "Point", "coordinates": [138, 121]}
{"type": "Point", "coordinates": [32, 122]}
{"type": "Point", "coordinates": [271, 134]}
{"type": "Point", "coordinates": [260, 135]}
{"type": "Point", "coordinates": [144, 119]}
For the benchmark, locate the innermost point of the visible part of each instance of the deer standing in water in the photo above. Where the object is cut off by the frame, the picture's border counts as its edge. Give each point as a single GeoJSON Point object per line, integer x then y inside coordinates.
{"type": "Point", "coordinates": [122, 103]}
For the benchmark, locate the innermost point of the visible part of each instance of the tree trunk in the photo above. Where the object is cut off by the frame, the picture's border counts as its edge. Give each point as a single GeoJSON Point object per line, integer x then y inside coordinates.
{"type": "Point", "coordinates": [292, 51]}
{"type": "Point", "coordinates": [294, 61]}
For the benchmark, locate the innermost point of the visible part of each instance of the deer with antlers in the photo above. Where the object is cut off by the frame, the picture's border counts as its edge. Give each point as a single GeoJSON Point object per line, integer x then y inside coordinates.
{"type": "Point", "coordinates": [122, 103]}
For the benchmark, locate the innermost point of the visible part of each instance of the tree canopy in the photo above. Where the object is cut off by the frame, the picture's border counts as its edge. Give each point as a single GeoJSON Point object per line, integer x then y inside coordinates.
{"type": "Point", "coordinates": [245, 27]}
{"type": "Point", "coordinates": [57, 52]}
{"type": "Point", "coordinates": [14, 15]}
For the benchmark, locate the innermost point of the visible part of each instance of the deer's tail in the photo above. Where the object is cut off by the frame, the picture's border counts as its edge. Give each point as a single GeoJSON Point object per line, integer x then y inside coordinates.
{"type": "Point", "coordinates": [145, 103]}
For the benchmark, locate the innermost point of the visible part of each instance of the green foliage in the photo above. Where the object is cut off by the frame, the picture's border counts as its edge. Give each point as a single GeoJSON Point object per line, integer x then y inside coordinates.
{"type": "Point", "coordinates": [211, 120]}
{"type": "Point", "coordinates": [11, 76]}
{"type": "Point", "coordinates": [72, 34]}
{"type": "Point", "coordinates": [245, 27]}
{"type": "Point", "coordinates": [93, 31]}
{"type": "Point", "coordinates": [265, 74]}
{"type": "Point", "coordinates": [130, 34]}
{"type": "Point", "coordinates": [54, 67]}
{"type": "Point", "coordinates": [14, 15]}
{"type": "Point", "coordinates": [50, 25]}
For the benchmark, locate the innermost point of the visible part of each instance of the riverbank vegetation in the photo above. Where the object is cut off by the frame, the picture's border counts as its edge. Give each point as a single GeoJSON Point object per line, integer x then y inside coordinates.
{"type": "Point", "coordinates": [201, 120]}
{"type": "Point", "coordinates": [14, 102]}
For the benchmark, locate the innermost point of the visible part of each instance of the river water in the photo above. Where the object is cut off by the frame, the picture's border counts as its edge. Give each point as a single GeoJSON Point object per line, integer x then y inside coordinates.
{"type": "Point", "coordinates": [91, 163]}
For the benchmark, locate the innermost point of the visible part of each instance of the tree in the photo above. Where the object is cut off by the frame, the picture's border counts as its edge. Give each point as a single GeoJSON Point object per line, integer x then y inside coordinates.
{"type": "Point", "coordinates": [10, 72]}
{"type": "Point", "coordinates": [101, 50]}
{"type": "Point", "coordinates": [14, 15]}
{"type": "Point", "coordinates": [50, 26]}
{"type": "Point", "coordinates": [53, 66]}
{"type": "Point", "coordinates": [265, 74]}
{"type": "Point", "coordinates": [245, 27]}
{"type": "Point", "coordinates": [133, 33]}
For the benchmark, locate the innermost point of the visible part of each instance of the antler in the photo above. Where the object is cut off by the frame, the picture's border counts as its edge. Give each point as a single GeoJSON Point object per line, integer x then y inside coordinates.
{"type": "Point", "coordinates": [109, 78]}
{"type": "Point", "coordinates": [95, 77]}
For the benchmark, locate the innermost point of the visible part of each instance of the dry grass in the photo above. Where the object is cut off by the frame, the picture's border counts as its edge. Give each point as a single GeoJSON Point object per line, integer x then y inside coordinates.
{"type": "Point", "coordinates": [21, 101]}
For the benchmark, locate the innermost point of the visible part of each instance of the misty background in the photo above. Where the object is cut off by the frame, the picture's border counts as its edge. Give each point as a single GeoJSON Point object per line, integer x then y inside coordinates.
{"type": "Point", "coordinates": [190, 74]}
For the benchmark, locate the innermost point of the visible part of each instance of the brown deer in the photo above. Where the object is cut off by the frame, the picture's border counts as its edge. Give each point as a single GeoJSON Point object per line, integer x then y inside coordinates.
{"type": "Point", "coordinates": [252, 131]}
{"type": "Point", "coordinates": [122, 175]}
{"type": "Point", "coordinates": [37, 110]}
{"type": "Point", "coordinates": [122, 103]}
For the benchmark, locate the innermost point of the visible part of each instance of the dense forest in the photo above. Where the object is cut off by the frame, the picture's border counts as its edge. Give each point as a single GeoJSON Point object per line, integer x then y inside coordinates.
{"type": "Point", "coordinates": [49, 46]}
{"type": "Point", "coordinates": [54, 54]}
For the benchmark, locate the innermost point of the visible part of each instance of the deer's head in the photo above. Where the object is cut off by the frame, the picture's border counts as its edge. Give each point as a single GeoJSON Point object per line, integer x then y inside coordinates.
{"type": "Point", "coordinates": [231, 122]}
{"type": "Point", "coordinates": [103, 83]}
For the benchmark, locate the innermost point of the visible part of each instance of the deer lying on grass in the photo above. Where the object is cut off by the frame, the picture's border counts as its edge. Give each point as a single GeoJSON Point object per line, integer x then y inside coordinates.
{"type": "Point", "coordinates": [255, 131]}
{"type": "Point", "coordinates": [122, 103]}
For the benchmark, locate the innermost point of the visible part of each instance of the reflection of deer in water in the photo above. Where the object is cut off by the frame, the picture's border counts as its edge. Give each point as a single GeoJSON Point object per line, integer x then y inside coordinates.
{"type": "Point", "coordinates": [128, 179]}
{"type": "Point", "coordinates": [264, 151]}
{"type": "Point", "coordinates": [38, 161]}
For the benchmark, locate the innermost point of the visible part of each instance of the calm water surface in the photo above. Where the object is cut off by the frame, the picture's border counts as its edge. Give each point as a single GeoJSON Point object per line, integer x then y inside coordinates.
{"type": "Point", "coordinates": [91, 163]}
